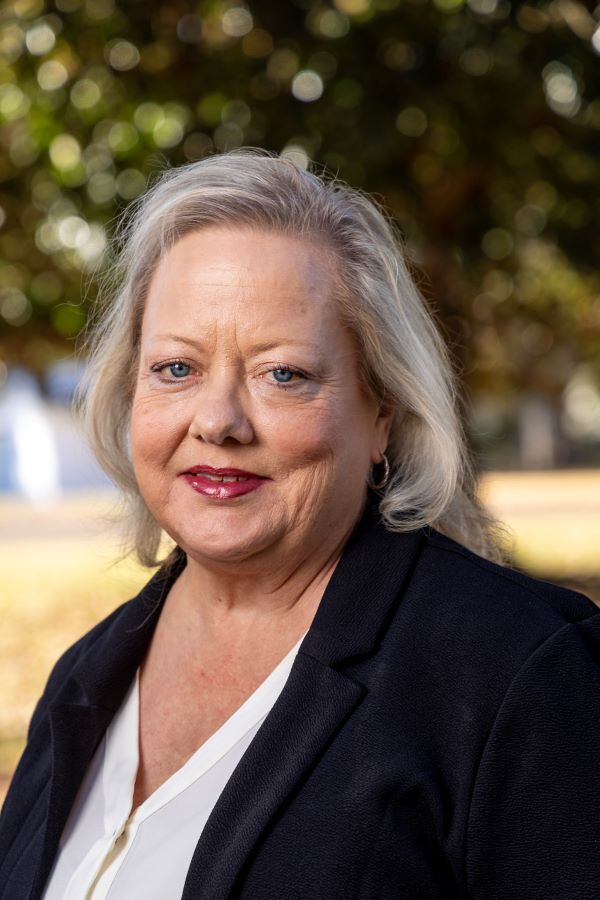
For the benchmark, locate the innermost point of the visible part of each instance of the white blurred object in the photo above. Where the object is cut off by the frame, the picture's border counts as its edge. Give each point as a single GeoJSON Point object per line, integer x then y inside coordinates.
{"type": "Point", "coordinates": [33, 468]}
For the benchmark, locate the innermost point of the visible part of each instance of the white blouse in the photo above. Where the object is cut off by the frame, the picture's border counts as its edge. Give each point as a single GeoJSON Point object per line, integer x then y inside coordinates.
{"type": "Point", "coordinates": [107, 854]}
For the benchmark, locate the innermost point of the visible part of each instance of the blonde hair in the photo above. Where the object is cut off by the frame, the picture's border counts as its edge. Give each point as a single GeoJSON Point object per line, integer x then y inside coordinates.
{"type": "Point", "coordinates": [403, 357]}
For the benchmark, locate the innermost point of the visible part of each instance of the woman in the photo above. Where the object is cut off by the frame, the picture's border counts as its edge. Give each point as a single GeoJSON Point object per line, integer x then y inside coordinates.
{"type": "Point", "coordinates": [322, 693]}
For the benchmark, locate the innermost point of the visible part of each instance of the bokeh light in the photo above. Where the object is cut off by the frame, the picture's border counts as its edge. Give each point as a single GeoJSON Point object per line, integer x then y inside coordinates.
{"type": "Point", "coordinates": [411, 121]}
{"type": "Point", "coordinates": [15, 308]}
{"type": "Point", "coordinates": [65, 152]}
{"type": "Point", "coordinates": [122, 55]}
{"type": "Point", "coordinates": [85, 94]}
{"type": "Point", "coordinates": [561, 88]}
{"type": "Point", "coordinates": [52, 75]}
{"type": "Point", "coordinates": [40, 39]}
{"type": "Point", "coordinates": [307, 85]}
{"type": "Point", "coordinates": [237, 21]}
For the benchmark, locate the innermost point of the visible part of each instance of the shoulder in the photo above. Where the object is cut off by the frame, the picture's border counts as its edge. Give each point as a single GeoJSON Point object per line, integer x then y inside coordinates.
{"type": "Point", "coordinates": [474, 625]}
{"type": "Point", "coordinates": [70, 658]}
{"type": "Point", "coordinates": [114, 644]}
{"type": "Point", "coordinates": [469, 575]}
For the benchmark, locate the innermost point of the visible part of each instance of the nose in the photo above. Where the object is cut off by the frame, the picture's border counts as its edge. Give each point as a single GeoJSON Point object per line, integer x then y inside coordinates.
{"type": "Point", "coordinates": [219, 412]}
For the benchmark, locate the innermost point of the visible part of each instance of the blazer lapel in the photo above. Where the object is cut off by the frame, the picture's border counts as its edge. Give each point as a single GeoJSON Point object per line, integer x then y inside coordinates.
{"type": "Point", "coordinates": [76, 731]}
{"type": "Point", "coordinates": [314, 704]}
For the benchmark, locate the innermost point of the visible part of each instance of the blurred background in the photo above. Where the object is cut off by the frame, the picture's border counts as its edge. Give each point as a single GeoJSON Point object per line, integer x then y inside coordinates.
{"type": "Point", "coordinates": [476, 124]}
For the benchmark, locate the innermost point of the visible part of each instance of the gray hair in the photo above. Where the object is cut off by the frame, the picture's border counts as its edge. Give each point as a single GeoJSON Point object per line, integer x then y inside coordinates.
{"type": "Point", "coordinates": [403, 358]}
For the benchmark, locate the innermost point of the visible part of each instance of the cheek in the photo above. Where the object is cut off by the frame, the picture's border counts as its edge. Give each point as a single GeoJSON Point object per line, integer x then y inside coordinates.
{"type": "Point", "coordinates": [140, 432]}
{"type": "Point", "coordinates": [305, 437]}
{"type": "Point", "coordinates": [153, 431]}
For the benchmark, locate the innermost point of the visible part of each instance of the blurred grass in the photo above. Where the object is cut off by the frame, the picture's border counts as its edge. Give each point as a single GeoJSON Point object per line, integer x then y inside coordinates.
{"type": "Point", "coordinates": [51, 595]}
{"type": "Point", "coordinates": [553, 519]}
{"type": "Point", "coordinates": [59, 575]}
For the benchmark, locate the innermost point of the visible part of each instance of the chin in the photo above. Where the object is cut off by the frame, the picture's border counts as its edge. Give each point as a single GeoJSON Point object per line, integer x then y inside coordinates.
{"type": "Point", "coordinates": [223, 545]}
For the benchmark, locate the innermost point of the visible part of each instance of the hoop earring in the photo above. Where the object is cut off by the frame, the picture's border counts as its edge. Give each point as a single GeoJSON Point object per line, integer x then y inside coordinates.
{"type": "Point", "coordinates": [378, 485]}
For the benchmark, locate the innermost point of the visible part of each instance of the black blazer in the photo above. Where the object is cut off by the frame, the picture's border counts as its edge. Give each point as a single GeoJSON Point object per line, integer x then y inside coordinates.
{"type": "Point", "coordinates": [438, 738]}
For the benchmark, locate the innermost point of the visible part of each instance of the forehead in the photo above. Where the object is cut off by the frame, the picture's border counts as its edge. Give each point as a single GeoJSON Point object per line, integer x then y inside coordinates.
{"type": "Point", "coordinates": [244, 277]}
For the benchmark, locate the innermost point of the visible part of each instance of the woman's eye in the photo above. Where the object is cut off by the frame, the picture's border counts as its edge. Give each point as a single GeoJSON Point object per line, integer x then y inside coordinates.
{"type": "Point", "coordinates": [177, 369]}
{"type": "Point", "coordinates": [283, 375]}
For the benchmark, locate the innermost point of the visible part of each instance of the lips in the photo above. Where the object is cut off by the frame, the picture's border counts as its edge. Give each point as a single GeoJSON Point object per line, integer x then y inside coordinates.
{"type": "Point", "coordinates": [222, 484]}
{"type": "Point", "coordinates": [226, 475]}
{"type": "Point", "coordinates": [220, 478]}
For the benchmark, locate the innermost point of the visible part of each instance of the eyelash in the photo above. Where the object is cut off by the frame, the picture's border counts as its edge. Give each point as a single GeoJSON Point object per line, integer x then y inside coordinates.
{"type": "Point", "coordinates": [279, 367]}
{"type": "Point", "coordinates": [159, 368]}
{"type": "Point", "coordinates": [282, 367]}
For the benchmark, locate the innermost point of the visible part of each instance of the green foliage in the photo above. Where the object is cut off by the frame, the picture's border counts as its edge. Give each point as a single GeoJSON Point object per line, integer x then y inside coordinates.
{"type": "Point", "coordinates": [477, 123]}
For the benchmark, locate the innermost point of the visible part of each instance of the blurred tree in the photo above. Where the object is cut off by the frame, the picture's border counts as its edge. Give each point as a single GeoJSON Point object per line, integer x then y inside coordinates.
{"type": "Point", "coordinates": [476, 123]}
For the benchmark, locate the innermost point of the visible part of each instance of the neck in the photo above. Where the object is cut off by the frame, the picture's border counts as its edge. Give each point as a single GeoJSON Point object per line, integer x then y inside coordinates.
{"type": "Point", "coordinates": [257, 595]}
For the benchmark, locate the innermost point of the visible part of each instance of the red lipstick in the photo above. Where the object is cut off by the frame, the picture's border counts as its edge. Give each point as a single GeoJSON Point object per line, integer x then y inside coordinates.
{"type": "Point", "coordinates": [222, 484]}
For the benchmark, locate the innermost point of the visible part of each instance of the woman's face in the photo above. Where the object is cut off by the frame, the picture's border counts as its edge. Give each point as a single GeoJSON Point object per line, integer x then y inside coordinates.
{"type": "Point", "coordinates": [250, 429]}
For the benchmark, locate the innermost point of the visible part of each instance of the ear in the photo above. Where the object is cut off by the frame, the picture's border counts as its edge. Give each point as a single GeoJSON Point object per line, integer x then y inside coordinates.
{"type": "Point", "coordinates": [381, 432]}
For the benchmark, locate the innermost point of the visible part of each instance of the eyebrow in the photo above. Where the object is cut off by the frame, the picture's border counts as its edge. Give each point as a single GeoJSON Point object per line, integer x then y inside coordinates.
{"type": "Point", "coordinates": [256, 348]}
